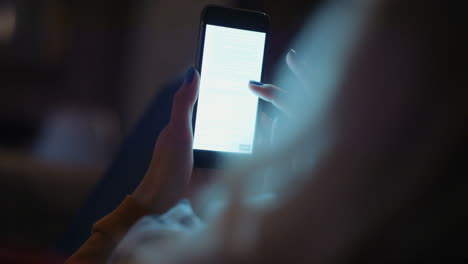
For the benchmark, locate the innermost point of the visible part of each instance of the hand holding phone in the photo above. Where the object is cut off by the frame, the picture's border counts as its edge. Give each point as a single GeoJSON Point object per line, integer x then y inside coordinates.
{"type": "Point", "coordinates": [170, 170]}
{"type": "Point", "coordinates": [171, 167]}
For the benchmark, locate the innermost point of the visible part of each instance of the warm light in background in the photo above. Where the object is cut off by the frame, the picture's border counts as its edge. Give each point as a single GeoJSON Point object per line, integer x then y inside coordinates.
{"type": "Point", "coordinates": [7, 23]}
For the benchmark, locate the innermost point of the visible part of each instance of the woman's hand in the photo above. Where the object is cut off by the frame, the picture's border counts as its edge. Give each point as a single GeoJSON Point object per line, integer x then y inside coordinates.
{"type": "Point", "coordinates": [171, 167]}
{"type": "Point", "coordinates": [276, 95]}
{"type": "Point", "coordinates": [282, 98]}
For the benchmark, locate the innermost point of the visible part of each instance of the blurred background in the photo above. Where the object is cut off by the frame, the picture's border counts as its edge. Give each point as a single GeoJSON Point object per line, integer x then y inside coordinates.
{"type": "Point", "coordinates": [75, 77]}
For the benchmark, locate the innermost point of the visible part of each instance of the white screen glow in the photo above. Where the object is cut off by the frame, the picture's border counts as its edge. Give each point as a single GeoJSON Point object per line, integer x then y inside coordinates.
{"type": "Point", "coordinates": [227, 109]}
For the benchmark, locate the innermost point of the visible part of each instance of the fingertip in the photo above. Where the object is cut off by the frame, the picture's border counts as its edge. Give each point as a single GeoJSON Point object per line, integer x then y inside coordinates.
{"type": "Point", "coordinates": [263, 92]}
{"type": "Point", "coordinates": [255, 83]}
{"type": "Point", "coordinates": [192, 77]}
{"type": "Point", "coordinates": [189, 75]}
{"type": "Point", "coordinates": [197, 74]}
{"type": "Point", "coordinates": [291, 57]}
{"type": "Point", "coordinates": [196, 79]}
{"type": "Point", "coordinates": [188, 92]}
{"type": "Point", "coordinates": [255, 87]}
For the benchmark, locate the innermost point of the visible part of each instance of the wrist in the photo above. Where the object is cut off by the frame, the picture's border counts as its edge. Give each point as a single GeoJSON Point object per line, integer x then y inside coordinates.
{"type": "Point", "coordinates": [149, 199]}
{"type": "Point", "coordinates": [142, 198]}
{"type": "Point", "coordinates": [146, 197]}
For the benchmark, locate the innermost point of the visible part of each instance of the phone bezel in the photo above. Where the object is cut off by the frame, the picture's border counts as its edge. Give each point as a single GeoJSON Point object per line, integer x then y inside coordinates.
{"type": "Point", "coordinates": [234, 18]}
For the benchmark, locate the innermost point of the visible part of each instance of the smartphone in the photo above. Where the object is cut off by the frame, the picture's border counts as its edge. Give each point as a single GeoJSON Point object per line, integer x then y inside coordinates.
{"type": "Point", "coordinates": [231, 50]}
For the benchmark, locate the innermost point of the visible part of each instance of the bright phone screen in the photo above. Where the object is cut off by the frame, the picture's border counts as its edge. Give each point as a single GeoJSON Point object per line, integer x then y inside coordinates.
{"type": "Point", "coordinates": [227, 109]}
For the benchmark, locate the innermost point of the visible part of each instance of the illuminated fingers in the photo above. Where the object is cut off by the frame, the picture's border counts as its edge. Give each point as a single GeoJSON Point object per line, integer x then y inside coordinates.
{"type": "Point", "coordinates": [270, 93]}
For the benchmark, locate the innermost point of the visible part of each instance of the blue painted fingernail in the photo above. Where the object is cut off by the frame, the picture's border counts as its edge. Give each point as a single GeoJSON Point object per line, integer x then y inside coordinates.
{"type": "Point", "coordinates": [189, 75]}
{"type": "Point", "coordinates": [256, 83]}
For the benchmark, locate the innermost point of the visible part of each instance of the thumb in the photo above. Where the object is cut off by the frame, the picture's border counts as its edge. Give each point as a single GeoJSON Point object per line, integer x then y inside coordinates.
{"type": "Point", "coordinates": [184, 99]}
